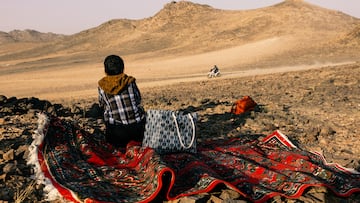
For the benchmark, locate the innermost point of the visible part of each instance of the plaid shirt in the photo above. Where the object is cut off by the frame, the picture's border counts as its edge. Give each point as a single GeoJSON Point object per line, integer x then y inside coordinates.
{"type": "Point", "coordinates": [123, 108]}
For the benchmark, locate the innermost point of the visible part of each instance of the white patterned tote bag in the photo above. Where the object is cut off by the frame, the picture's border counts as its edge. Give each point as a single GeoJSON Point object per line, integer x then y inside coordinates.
{"type": "Point", "coordinates": [169, 131]}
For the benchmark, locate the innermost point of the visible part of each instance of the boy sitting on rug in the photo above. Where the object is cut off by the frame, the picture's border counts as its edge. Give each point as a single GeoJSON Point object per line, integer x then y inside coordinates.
{"type": "Point", "coordinates": [120, 100]}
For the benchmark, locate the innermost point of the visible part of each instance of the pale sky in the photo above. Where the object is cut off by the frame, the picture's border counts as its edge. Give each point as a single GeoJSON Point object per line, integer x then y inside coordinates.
{"type": "Point", "coordinates": [72, 16]}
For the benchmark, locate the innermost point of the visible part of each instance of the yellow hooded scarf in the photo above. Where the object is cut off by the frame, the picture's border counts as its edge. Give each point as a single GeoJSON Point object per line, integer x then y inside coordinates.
{"type": "Point", "coordinates": [113, 84]}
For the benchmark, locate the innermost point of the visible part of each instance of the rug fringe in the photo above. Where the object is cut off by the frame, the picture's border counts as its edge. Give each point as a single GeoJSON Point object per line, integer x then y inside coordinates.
{"type": "Point", "coordinates": [51, 193]}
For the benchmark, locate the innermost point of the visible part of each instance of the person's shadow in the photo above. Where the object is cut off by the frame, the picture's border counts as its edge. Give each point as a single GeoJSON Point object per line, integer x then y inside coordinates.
{"type": "Point", "coordinates": [219, 125]}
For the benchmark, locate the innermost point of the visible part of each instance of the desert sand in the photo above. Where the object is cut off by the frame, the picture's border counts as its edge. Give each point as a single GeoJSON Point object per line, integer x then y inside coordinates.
{"type": "Point", "coordinates": [305, 77]}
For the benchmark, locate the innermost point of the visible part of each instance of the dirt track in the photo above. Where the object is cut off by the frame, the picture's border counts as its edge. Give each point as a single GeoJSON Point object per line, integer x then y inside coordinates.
{"type": "Point", "coordinates": [319, 108]}
{"type": "Point", "coordinates": [317, 105]}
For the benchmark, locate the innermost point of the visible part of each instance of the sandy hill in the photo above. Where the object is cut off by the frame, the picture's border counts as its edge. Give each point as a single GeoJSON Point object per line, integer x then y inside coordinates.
{"type": "Point", "coordinates": [20, 40]}
{"type": "Point", "coordinates": [21, 36]}
{"type": "Point", "coordinates": [351, 38]}
{"type": "Point", "coordinates": [170, 54]}
{"type": "Point", "coordinates": [186, 38]}
{"type": "Point", "coordinates": [183, 28]}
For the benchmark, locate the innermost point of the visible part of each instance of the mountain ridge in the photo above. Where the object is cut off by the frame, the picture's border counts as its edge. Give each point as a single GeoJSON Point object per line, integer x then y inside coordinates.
{"type": "Point", "coordinates": [185, 28]}
{"type": "Point", "coordinates": [28, 35]}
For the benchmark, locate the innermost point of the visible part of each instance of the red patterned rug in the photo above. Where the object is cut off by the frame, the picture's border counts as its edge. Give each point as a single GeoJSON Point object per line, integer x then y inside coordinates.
{"type": "Point", "coordinates": [80, 167]}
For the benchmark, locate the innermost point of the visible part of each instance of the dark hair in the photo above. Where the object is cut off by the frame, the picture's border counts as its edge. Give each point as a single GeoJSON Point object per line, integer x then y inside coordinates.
{"type": "Point", "coordinates": [114, 65]}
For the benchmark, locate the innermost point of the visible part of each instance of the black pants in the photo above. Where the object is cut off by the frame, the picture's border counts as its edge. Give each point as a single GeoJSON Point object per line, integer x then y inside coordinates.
{"type": "Point", "coordinates": [120, 135]}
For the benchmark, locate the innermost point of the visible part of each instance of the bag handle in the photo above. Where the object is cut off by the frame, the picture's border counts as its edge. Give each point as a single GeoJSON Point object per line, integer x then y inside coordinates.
{"type": "Point", "coordinates": [178, 131]}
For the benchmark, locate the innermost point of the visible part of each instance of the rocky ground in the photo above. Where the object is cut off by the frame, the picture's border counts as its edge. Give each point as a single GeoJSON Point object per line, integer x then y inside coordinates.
{"type": "Point", "coordinates": [319, 110]}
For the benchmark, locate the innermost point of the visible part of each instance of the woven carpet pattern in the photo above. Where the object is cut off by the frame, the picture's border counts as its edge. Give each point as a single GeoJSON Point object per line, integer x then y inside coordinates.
{"type": "Point", "coordinates": [84, 168]}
